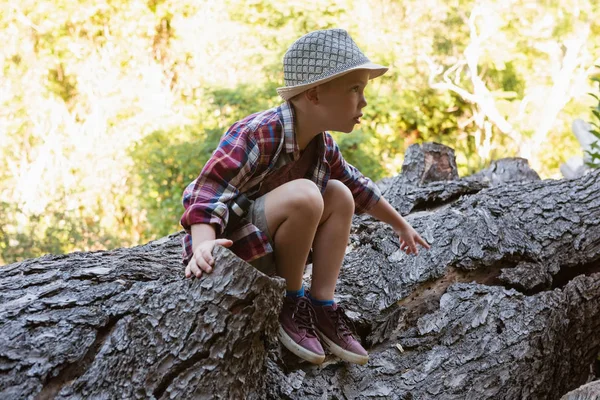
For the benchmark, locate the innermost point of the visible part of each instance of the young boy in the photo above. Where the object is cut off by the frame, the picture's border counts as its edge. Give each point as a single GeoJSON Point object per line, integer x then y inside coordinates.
{"type": "Point", "coordinates": [302, 193]}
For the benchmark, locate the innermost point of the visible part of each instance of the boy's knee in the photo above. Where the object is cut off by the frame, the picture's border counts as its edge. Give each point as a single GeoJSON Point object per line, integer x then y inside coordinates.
{"type": "Point", "coordinates": [305, 196]}
{"type": "Point", "coordinates": [340, 194]}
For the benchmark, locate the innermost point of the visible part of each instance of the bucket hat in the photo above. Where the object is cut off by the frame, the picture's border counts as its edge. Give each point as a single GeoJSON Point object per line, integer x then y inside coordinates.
{"type": "Point", "coordinates": [319, 57]}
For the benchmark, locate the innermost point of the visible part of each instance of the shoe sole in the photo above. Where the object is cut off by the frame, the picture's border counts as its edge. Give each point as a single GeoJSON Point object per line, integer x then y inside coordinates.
{"type": "Point", "coordinates": [298, 350]}
{"type": "Point", "coordinates": [341, 353]}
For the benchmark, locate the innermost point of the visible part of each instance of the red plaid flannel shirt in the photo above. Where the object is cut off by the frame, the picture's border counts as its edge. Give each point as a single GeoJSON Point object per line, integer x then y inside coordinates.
{"type": "Point", "coordinates": [251, 149]}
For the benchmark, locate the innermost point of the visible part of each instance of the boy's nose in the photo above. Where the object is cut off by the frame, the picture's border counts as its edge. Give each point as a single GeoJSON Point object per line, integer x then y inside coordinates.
{"type": "Point", "coordinates": [363, 102]}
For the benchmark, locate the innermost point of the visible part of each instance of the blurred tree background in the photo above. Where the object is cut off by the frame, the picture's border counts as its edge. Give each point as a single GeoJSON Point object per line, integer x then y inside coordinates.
{"type": "Point", "coordinates": [109, 108]}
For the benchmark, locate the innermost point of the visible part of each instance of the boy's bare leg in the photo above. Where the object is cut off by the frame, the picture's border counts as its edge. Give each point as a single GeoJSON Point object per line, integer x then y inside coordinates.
{"type": "Point", "coordinates": [328, 253]}
{"type": "Point", "coordinates": [293, 211]}
{"type": "Point", "coordinates": [331, 239]}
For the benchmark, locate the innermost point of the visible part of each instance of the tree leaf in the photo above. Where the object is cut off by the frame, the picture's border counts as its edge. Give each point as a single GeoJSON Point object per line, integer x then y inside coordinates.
{"type": "Point", "coordinates": [595, 133]}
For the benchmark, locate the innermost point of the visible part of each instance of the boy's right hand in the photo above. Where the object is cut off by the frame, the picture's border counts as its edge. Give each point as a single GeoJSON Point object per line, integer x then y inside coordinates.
{"type": "Point", "coordinates": [202, 260]}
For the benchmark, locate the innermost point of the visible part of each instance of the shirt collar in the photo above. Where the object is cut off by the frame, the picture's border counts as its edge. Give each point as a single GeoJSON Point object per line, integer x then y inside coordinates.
{"type": "Point", "coordinates": [286, 110]}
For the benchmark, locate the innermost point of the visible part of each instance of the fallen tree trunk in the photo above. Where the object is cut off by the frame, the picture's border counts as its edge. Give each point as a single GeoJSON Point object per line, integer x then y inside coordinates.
{"type": "Point", "coordinates": [126, 324]}
{"type": "Point", "coordinates": [590, 391]}
{"type": "Point", "coordinates": [505, 305]}
{"type": "Point", "coordinates": [518, 326]}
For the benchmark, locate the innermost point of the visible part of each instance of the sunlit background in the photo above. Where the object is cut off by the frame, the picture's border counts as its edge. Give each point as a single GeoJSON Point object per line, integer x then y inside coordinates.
{"type": "Point", "coordinates": [109, 108]}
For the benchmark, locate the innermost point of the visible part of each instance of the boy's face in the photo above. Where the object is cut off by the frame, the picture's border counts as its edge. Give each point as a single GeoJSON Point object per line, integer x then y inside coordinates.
{"type": "Point", "coordinates": [342, 100]}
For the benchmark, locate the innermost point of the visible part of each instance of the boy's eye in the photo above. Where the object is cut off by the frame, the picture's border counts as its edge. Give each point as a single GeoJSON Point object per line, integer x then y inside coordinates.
{"type": "Point", "coordinates": [355, 89]}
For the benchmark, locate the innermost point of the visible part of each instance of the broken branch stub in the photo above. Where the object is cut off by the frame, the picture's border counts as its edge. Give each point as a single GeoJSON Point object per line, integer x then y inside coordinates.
{"type": "Point", "coordinates": [429, 162]}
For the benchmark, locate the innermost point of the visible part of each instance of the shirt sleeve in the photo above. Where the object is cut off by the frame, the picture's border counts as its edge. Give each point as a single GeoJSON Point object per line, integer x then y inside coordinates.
{"type": "Point", "coordinates": [231, 165]}
{"type": "Point", "coordinates": [365, 192]}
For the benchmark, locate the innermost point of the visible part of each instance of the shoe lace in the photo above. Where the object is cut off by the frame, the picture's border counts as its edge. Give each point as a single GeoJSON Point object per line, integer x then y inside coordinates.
{"type": "Point", "coordinates": [304, 315]}
{"type": "Point", "coordinates": [344, 325]}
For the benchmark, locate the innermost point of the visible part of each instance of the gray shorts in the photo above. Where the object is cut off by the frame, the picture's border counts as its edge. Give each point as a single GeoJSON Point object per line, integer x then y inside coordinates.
{"type": "Point", "coordinates": [256, 215]}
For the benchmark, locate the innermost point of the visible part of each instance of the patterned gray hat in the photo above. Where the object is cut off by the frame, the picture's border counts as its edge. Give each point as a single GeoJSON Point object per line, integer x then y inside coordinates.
{"type": "Point", "coordinates": [321, 56]}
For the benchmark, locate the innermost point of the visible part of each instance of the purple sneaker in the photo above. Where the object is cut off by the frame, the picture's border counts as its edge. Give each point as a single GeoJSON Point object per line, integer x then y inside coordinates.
{"type": "Point", "coordinates": [297, 329]}
{"type": "Point", "coordinates": [333, 326]}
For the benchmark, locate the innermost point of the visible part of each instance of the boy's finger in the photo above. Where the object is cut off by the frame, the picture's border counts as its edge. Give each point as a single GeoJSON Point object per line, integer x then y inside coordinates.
{"type": "Point", "coordinates": [224, 242]}
{"type": "Point", "coordinates": [188, 273]}
{"type": "Point", "coordinates": [423, 242]}
{"type": "Point", "coordinates": [207, 257]}
{"type": "Point", "coordinates": [415, 250]}
{"type": "Point", "coordinates": [195, 270]}
{"type": "Point", "coordinates": [200, 258]}
{"type": "Point", "coordinates": [203, 264]}
{"type": "Point", "coordinates": [412, 246]}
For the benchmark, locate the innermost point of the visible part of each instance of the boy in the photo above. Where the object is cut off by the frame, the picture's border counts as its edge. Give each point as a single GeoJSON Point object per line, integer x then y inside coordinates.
{"type": "Point", "coordinates": [302, 193]}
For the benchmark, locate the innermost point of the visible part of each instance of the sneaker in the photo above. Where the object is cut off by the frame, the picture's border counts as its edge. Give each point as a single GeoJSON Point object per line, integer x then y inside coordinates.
{"type": "Point", "coordinates": [297, 329]}
{"type": "Point", "coordinates": [333, 326]}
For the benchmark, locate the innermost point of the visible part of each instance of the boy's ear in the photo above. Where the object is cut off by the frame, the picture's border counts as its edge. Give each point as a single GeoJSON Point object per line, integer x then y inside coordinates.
{"type": "Point", "coordinates": [312, 95]}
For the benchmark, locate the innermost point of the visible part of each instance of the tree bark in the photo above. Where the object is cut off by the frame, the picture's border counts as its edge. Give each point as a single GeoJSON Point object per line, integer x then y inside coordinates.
{"type": "Point", "coordinates": [590, 391]}
{"type": "Point", "coordinates": [127, 324]}
{"type": "Point", "coordinates": [505, 305]}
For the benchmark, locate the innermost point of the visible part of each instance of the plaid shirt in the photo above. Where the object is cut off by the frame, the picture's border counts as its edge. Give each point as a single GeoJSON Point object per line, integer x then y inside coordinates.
{"type": "Point", "coordinates": [251, 149]}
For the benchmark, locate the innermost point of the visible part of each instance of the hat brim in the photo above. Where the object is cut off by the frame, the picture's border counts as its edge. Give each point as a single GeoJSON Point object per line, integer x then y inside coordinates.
{"type": "Point", "coordinates": [287, 92]}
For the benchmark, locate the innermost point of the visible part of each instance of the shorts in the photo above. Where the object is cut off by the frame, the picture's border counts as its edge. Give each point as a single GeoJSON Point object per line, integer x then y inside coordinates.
{"type": "Point", "coordinates": [256, 215]}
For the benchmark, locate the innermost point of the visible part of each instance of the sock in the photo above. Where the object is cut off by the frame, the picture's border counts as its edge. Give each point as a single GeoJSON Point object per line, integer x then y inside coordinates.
{"type": "Point", "coordinates": [320, 302]}
{"type": "Point", "coordinates": [295, 293]}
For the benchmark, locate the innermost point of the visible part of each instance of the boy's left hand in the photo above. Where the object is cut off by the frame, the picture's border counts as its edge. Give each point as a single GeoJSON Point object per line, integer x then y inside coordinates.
{"type": "Point", "coordinates": [409, 238]}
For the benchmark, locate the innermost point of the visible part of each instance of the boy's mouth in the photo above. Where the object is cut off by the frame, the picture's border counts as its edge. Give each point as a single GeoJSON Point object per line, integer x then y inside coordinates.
{"type": "Point", "coordinates": [357, 119]}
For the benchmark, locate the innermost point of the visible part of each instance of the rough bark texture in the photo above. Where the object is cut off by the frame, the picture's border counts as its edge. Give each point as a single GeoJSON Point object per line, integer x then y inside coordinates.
{"type": "Point", "coordinates": [506, 305]}
{"type": "Point", "coordinates": [590, 391]}
{"type": "Point", "coordinates": [506, 170]}
{"type": "Point", "coordinates": [126, 324]}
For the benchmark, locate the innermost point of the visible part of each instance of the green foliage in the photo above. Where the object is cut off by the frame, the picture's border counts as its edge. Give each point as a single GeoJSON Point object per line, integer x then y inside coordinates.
{"type": "Point", "coordinates": [166, 161]}
{"type": "Point", "coordinates": [594, 152]}
{"type": "Point", "coordinates": [356, 151]}
{"type": "Point", "coordinates": [63, 85]}
{"type": "Point", "coordinates": [55, 231]}
{"type": "Point", "coordinates": [277, 15]}
{"type": "Point", "coordinates": [506, 78]}
{"type": "Point", "coordinates": [111, 108]}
